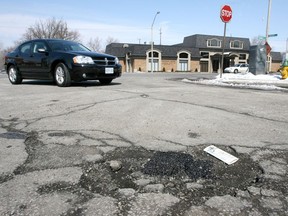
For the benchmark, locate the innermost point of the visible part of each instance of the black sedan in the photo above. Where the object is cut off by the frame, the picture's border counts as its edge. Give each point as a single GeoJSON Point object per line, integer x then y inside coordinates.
{"type": "Point", "coordinates": [60, 60]}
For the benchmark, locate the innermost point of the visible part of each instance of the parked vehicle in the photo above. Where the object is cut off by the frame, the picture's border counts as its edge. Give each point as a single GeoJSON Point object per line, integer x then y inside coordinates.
{"type": "Point", "coordinates": [237, 68]}
{"type": "Point", "coordinates": [60, 60]}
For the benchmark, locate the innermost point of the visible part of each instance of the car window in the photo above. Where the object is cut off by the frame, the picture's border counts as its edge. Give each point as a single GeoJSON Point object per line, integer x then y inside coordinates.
{"type": "Point", "coordinates": [25, 49]}
{"type": "Point", "coordinates": [39, 45]}
{"type": "Point", "coordinates": [67, 46]}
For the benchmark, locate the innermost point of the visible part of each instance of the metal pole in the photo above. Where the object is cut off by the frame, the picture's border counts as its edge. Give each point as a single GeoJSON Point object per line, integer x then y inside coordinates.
{"type": "Point", "coordinates": [223, 47]}
{"type": "Point", "coordinates": [152, 54]}
{"type": "Point", "coordinates": [267, 33]}
{"type": "Point", "coordinates": [268, 21]}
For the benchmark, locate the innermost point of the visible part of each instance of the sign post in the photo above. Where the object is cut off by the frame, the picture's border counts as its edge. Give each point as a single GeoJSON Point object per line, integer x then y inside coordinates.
{"type": "Point", "coordinates": [226, 16]}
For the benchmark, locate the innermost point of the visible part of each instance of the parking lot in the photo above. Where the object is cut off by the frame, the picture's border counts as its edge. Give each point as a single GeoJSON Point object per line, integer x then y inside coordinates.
{"type": "Point", "coordinates": [84, 150]}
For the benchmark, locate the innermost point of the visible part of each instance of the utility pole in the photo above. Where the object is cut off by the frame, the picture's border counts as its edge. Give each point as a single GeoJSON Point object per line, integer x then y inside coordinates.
{"type": "Point", "coordinates": [267, 36]}
{"type": "Point", "coordinates": [268, 21]}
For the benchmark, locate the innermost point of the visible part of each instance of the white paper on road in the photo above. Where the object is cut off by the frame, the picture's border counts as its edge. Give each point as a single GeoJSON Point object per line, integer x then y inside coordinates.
{"type": "Point", "coordinates": [221, 155]}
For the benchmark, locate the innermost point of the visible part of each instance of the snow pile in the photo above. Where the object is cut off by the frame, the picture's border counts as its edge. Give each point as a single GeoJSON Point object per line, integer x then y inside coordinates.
{"type": "Point", "coordinates": [247, 80]}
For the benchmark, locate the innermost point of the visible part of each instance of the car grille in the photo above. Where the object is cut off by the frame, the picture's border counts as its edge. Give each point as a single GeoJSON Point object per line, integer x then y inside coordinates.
{"type": "Point", "coordinates": [108, 61]}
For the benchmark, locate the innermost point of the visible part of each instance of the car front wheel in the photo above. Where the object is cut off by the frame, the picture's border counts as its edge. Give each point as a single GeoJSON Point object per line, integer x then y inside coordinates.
{"type": "Point", "coordinates": [235, 71]}
{"type": "Point", "coordinates": [14, 76]}
{"type": "Point", "coordinates": [62, 75]}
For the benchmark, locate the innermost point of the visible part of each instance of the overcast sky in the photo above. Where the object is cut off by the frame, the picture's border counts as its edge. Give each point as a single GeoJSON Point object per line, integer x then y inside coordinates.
{"type": "Point", "coordinates": [129, 21]}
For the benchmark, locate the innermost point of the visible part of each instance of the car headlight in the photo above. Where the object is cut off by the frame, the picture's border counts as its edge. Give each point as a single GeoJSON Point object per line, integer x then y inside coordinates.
{"type": "Point", "coordinates": [117, 61]}
{"type": "Point", "coordinates": [83, 60]}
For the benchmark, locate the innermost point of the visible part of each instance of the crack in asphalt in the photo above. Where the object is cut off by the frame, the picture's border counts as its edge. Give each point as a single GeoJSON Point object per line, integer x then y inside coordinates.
{"type": "Point", "coordinates": [218, 108]}
{"type": "Point", "coordinates": [76, 109]}
{"type": "Point", "coordinates": [148, 96]}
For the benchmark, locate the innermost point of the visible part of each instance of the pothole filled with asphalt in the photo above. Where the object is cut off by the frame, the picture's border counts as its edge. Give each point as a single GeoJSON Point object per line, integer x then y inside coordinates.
{"type": "Point", "coordinates": [13, 135]}
{"type": "Point", "coordinates": [193, 176]}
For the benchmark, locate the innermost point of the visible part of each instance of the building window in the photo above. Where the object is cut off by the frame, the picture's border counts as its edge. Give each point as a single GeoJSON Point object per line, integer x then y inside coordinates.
{"type": "Point", "coordinates": [242, 56]}
{"type": "Point", "coordinates": [214, 43]}
{"type": "Point", "coordinates": [183, 61]}
{"type": "Point", "coordinates": [183, 55]}
{"type": "Point", "coordinates": [236, 44]}
{"type": "Point", "coordinates": [156, 61]}
{"type": "Point", "coordinates": [183, 65]}
{"type": "Point", "coordinates": [155, 54]}
{"type": "Point", "coordinates": [204, 55]}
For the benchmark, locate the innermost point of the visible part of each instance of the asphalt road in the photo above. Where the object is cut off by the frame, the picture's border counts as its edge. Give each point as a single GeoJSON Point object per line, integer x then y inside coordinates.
{"type": "Point", "coordinates": [118, 150]}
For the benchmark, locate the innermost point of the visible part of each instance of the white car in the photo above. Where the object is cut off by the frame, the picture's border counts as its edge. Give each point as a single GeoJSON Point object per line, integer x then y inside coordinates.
{"type": "Point", "coordinates": [238, 68]}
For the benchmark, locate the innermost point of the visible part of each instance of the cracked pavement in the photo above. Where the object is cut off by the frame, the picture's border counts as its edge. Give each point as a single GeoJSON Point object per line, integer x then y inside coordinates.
{"type": "Point", "coordinates": [58, 146]}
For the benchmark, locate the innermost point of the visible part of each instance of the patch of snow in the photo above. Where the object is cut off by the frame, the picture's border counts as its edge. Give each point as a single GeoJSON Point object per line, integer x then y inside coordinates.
{"type": "Point", "coordinates": [247, 80]}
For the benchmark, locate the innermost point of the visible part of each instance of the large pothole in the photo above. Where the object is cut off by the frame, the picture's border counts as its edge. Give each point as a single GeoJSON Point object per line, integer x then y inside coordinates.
{"type": "Point", "coordinates": [174, 170]}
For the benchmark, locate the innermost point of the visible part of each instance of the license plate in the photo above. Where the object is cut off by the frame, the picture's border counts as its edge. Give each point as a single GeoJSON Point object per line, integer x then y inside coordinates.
{"type": "Point", "coordinates": [109, 70]}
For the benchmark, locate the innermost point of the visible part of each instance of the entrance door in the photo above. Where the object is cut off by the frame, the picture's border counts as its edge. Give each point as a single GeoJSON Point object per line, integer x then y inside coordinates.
{"type": "Point", "coordinates": [183, 65]}
{"type": "Point", "coordinates": [155, 64]}
{"type": "Point", "coordinates": [204, 66]}
{"type": "Point", "coordinates": [226, 63]}
{"type": "Point", "coordinates": [215, 65]}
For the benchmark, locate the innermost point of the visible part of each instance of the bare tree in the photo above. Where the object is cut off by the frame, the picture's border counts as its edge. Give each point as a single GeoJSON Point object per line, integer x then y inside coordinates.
{"type": "Point", "coordinates": [51, 28]}
{"type": "Point", "coordinates": [3, 52]}
{"type": "Point", "coordinates": [258, 40]}
{"type": "Point", "coordinates": [95, 44]}
{"type": "Point", "coordinates": [110, 40]}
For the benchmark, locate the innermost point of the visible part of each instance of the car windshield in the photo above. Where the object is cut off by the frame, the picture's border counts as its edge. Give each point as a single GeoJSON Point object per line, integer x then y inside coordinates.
{"type": "Point", "coordinates": [236, 65]}
{"type": "Point", "coordinates": [67, 46]}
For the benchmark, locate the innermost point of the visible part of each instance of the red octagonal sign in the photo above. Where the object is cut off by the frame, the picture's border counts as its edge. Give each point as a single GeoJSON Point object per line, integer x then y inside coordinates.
{"type": "Point", "coordinates": [226, 13]}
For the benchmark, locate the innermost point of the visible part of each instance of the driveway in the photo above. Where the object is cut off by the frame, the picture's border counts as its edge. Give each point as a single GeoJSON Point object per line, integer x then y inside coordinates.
{"type": "Point", "coordinates": [135, 147]}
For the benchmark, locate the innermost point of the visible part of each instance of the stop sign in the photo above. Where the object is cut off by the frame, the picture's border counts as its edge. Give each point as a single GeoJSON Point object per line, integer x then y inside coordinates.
{"type": "Point", "coordinates": [226, 13]}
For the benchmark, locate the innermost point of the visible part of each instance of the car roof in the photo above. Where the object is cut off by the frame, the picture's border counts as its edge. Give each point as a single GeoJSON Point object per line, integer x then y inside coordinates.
{"type": "Point", "coordinates": [49, 40]}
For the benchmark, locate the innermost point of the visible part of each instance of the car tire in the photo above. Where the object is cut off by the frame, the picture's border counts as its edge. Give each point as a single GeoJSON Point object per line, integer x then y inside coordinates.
{"type": "Point", "coordinates": [235, 71]}
{"type": "Point", "coordinates": [14, 75]}
{"type": "Point", "coordinates": [62, 75]}
{"type": "Point", "coordinates": [105, 81]}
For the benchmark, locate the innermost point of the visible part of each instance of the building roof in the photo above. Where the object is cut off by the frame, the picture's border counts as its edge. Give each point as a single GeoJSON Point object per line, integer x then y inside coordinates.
{"type": "Point", "coordinates": [120, 49]}
{"type": "Point", "coordinates": [192, 44]}
{"type": "Point", "coordinates": [200, 41]}
{"type": "Point", "coordinates": [276, 56]}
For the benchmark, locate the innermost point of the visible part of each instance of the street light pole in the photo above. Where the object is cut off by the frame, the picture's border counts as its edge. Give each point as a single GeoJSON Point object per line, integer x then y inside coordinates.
{"type": "Point", "coordinates": [152, 54]}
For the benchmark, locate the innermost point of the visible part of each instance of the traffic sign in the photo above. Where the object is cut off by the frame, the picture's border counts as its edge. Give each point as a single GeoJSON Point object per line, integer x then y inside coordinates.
{"type": "Point", "coordinates": [270, 35]}
{"type": "Point", "coordinates": [226, 13]}
{"type": "Point", "coordinates": [268, 48]}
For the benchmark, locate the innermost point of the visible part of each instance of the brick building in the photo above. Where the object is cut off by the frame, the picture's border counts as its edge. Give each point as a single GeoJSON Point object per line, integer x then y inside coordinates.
{"type": "Point", "coordinates": [197, 53]}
